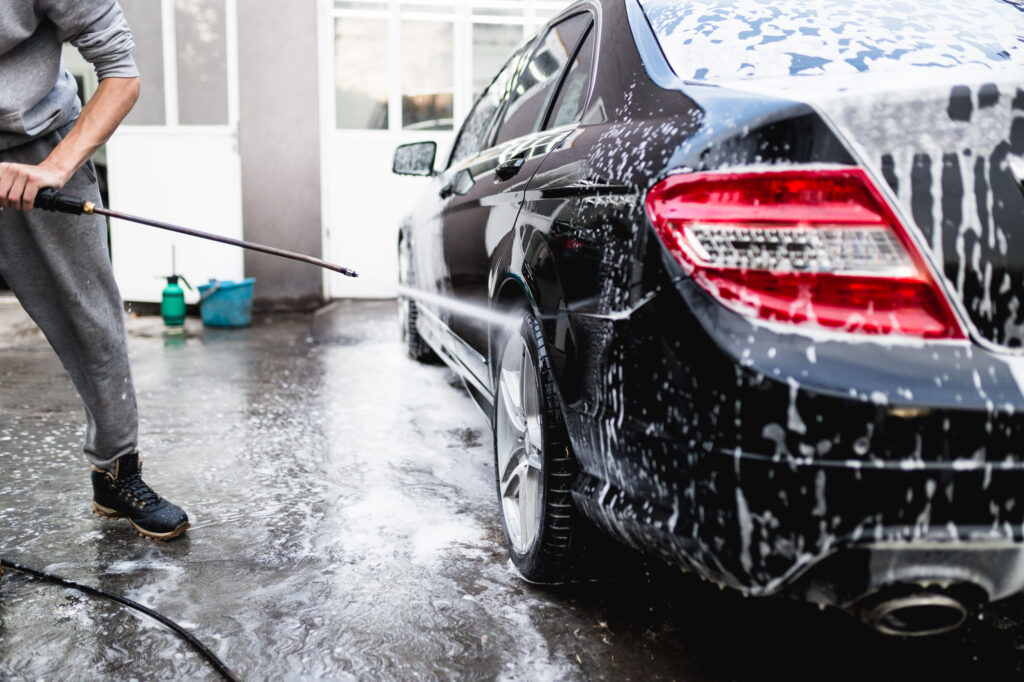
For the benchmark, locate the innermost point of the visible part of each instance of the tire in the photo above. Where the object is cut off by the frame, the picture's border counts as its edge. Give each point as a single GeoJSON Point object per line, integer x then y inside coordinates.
{"type": "Point", "coordinates": [408, 313]}
{"type": "Point", "coordinates": [534, 464]}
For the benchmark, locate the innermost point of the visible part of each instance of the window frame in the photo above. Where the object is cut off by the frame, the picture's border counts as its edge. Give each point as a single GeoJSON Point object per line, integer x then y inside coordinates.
{"type": "Point", "coordinates": [590, 31]}
{"type": "Point", "coordinates": [543, 32]}
{"type": "Point", "coordinates": [485, 142]}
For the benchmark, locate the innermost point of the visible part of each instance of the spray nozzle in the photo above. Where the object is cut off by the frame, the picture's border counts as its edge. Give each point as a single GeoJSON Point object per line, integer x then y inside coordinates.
{"type": "Point", "coordinates": [173, 279]}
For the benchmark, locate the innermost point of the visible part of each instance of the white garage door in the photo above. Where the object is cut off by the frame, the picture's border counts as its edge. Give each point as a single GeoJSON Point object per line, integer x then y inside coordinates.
{"type": "Point", "coordinates": [394, 72]}
{"type": "Point", "coordinates": [176, 158]}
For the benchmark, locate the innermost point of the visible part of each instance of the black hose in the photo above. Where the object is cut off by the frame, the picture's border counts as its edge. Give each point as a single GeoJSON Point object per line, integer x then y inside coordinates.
{"type": "Point", "coordinates": [211, 657]}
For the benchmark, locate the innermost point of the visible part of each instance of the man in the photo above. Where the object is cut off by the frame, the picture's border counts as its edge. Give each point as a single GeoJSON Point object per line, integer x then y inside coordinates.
{"type": "Point", "coordinates": [58, 266]}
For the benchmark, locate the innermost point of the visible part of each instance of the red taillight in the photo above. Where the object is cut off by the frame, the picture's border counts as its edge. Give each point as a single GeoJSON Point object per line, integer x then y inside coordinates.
{"type": "Point", "coordinates": [801, 246]}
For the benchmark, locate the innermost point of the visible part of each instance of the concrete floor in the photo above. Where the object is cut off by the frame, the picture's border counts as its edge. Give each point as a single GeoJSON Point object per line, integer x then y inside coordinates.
{"type": "Point", "coordinates": [344, 527]}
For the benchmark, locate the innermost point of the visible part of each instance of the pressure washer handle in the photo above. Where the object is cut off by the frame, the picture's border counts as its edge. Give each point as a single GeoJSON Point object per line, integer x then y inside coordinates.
{"type": "Point", "coordinates": [50, 199]}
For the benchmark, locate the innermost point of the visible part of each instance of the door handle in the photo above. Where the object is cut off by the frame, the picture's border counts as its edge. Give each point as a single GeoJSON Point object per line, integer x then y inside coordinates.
{"type": "Point", "coordinates": [509, 169]}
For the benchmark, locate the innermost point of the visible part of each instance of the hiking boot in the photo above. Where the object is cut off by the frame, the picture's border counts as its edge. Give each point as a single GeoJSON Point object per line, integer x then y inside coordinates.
{"type": "Point", "coordinates": [122, 493]}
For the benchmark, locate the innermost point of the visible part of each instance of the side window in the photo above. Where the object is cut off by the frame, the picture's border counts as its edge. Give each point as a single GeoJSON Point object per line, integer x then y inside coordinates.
{"type": "Point", "coordinates": [530, 96]}
{"type": "Point", "coordinates": [572, 96]}
{"type": "Point", "coordinates": [474, 130]}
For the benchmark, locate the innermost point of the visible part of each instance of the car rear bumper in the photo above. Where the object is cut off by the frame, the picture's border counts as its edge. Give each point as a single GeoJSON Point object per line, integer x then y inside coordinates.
{"type": "Point", "coordinates": [830, 532]}
{"type": "Point", "coordinates": [776, 462]}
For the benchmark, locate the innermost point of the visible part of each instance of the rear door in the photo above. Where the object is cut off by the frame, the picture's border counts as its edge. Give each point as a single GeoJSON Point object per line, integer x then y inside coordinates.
{"type": "Point", "coordinates": [551, 214]}
{"type": "Point", "coordinates": [563, 226]}
{"type": "Point", "coordinates": [487, 187]}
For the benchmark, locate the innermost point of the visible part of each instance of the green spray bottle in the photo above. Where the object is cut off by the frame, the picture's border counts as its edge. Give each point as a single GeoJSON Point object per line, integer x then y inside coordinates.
{"type": "Point", "coordinates": [172, 303]}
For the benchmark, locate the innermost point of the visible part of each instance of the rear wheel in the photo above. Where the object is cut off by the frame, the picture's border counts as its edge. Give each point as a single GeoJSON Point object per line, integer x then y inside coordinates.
{"type": "Point", "coordinates": [408, 313]}
{"type": "Point", "coordinates": [533, 461]}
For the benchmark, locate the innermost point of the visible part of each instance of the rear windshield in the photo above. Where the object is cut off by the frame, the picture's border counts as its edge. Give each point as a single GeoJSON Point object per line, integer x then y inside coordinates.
{"type": "Point", "coordinates": [726, 40]}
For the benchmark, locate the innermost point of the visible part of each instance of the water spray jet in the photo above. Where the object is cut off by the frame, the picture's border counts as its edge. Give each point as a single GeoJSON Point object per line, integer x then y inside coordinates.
{"type": "Point", "coordinates": [496, 318]}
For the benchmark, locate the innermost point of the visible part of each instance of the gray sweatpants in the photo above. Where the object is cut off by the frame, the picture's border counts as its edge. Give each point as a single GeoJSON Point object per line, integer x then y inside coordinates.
{"type": "Point", "coordinates": [59, 268]}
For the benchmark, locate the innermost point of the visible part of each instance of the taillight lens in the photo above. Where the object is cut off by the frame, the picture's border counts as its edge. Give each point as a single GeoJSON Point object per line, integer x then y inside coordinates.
{"type": "Point", "coordinates": [801, 246]}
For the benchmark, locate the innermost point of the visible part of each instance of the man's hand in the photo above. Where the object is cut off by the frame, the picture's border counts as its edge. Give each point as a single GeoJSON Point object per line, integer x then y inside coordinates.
{"type": "Point", "coordinates": [113, 99]}
{"type": "Point", "coordinates": [19, 184]}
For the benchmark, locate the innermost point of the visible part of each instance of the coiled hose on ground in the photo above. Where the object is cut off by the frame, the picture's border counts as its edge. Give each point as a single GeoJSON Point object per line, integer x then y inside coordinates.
{"type": "Point", "coordinates": [211, 657]}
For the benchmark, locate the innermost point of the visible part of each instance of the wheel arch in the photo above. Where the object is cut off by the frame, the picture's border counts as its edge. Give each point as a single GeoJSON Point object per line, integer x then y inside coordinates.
{"type": "Point", "coordinates": [511, 294]}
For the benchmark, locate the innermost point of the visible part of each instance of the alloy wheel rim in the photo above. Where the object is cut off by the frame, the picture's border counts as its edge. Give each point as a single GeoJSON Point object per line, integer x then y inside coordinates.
{"type": "Point", "coordinates": [519, 441]}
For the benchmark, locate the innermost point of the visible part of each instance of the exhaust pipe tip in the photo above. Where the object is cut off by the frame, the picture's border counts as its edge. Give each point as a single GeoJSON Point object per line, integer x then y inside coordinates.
{"type": "Point", "coordinates": [919, 609]}
{"type": "Point", "coordinates": [919, 614]}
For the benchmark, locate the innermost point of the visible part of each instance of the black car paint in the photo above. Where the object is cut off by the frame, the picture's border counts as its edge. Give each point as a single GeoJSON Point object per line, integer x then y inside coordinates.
{"type": "Point", "coordinates": [748, 453]}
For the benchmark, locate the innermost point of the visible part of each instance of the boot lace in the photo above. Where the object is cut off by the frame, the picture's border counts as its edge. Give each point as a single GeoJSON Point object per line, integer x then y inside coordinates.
{"type": "Point", "coordinates": [135, 487]}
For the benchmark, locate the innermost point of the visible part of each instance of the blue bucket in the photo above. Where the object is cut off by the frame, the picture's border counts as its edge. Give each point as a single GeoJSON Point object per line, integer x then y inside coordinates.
{"type": "Point", "coordinates": [226, 303]}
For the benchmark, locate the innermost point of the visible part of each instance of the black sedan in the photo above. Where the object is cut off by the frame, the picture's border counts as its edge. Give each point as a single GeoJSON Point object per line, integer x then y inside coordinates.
{"type": "Point", "coordinates": [740, 283]}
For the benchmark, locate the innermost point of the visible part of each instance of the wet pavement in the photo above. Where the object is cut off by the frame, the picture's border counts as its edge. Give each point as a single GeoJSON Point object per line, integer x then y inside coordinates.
{"type": "Point", "coordinates": [345, 527]}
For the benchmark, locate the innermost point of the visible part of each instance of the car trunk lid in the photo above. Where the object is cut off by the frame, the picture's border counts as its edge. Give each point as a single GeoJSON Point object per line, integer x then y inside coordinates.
{"type": "Point", "coordinates": [951, 154]}
{"type": "Point", "coordinates": [948, 152]}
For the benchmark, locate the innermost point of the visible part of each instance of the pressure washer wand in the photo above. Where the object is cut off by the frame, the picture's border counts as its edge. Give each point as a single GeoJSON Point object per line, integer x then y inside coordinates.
{"type": "Point", "coordinates": [50, 199]}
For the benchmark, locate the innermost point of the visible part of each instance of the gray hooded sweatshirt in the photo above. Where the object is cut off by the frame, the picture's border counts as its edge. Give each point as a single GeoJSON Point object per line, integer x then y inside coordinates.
{"type": "Point", "coordinates": [37, 93]}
